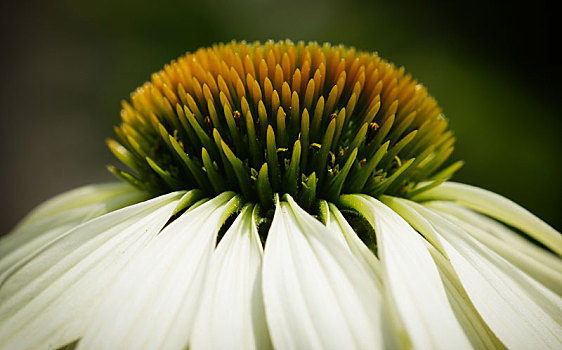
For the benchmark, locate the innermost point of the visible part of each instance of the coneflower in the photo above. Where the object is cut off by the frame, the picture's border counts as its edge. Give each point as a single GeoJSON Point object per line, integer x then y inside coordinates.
{"type": "Point", "coordinates": [287, 196]}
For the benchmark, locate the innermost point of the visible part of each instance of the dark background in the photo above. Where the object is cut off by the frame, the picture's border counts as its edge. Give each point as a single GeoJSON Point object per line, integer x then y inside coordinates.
{"type": "Point", "coordinates": [65, 66]}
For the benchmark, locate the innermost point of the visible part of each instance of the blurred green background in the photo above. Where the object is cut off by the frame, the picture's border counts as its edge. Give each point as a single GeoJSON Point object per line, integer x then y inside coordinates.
{"type": "Point", "coordinates": [67, 64]}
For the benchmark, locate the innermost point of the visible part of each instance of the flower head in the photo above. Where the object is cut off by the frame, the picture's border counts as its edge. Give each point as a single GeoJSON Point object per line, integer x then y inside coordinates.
{"type": "Point", "coordinates": [288, 196]}
{"type": "Point", "coordinates": [308, 120]}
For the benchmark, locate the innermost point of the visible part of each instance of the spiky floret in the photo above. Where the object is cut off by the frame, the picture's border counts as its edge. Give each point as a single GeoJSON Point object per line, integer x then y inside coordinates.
{"type": "Point", "coordinates": [309, 120]}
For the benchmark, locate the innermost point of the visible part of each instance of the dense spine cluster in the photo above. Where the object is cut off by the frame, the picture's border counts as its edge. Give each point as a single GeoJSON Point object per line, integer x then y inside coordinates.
{"type": "Point", "coordinates": [311, 120]}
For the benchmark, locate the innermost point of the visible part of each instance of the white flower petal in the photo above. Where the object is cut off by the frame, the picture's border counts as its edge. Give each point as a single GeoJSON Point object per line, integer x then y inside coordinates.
{"type": "Point", "coordinates": [326, 217]}
{"type": "Point", "coordinates": [339, 224]}
{"type": "Point", "coordinates": [72, 245]}
{"type": "Point", "coordinates": [544, 273]}
{"type": "Point", "coordinates": [79, 197]}
{"type": "Point", "coordinates": [510, 238]}
{"type": "Point", "coordinates": [154, 301]}
{"type": "Point", "coordinates": [521, 313]}
{"type": "Point", "coordinates": [498, 207]}
{"type": "Point", "coordinates": [48, 299]}
{"type": "Point", "coordinates": [411, 278]}
{"type": "Point", "coordinates": [232, 315]}
{"type": "Point", "coordinates": [52, 219]}
{"type": "Point", "coordinates": [474, 326]}
{"type": "Point", "coordinates": [316, 293]}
